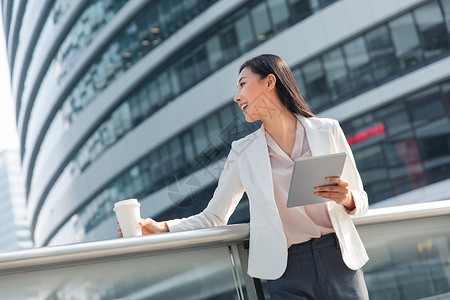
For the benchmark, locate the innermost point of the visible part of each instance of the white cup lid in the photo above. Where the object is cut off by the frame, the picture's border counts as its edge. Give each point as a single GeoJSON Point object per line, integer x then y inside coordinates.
{"type": "Point", "coordinates": [126, 203]}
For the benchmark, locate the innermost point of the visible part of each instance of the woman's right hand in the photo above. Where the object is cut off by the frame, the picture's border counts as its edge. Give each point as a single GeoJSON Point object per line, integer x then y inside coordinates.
{"type": "Point", "coordinates": [149, 226]}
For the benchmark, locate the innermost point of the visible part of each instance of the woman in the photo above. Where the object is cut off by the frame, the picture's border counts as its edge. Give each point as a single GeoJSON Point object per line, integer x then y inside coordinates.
{"type": "Point", "coordinates": [307, 252]}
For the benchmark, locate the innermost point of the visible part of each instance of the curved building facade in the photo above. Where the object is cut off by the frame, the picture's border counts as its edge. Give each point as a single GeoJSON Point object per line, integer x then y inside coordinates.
{"type": "Point", "coordinates": [121, 99]}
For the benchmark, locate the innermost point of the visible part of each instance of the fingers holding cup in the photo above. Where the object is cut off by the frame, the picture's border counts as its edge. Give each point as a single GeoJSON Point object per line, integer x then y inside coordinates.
{"type": "Point", "coordinates": [119, 229]}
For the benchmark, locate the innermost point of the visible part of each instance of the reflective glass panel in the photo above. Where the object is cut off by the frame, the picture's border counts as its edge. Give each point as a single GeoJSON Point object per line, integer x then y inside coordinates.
{"type": "Point", "coordinates": [397, 122]}
{"type": "Point", "coordinates": [215, 53]}
{"type": "Point", "coordinates": [200, 137]}
{"type": "Point", "coordinates": [408, 259]}
{"type": "Point", "coordinates": [84, 31]}
{"type": "Point", "coordinates": [153, 93]}
{"type": "Point", "coordinates": [382, 53]}
{"type": "Point", "coordinates": [261, 21]}
{"type": "Point", "coordinates": [432, 29]}
{"type": "Point", "coordinates": [174, 80]}
{"type": "Point", "coordinates": [186, 71]}
{"type": "Point", "coordinates": [214, 130]}
{"type": "Point", "coordinates": [300, 9]}
{"type": "Point", "coordinates": [427, 111]}
{"type": "Point", "coordinates": [155, 167]}
{"type": "Point", "coordinates": [434, 140]}
{"type": "Point", "coordinates": [446, 7]}
{"type": "Point", "coordinates": [146, 175]}
{"type": "Point", "coordinates": [316, 84]}
{"type": "Point", "coordinates": [406, 42]}
{"type": "Point", "coordinates": [358, 62]}
{"type": "Point", "coordinates": [279, 12]}
{"type": "Point", "coordinates": [229, 41]}
{"type": "Point", "coordinates": [176, 151]}
{"type": "Point", "coordinates": [190, 274]}
{"type": "Point", "coordinates": [145, 105]}
{"type": "Point", "coordinates": [244, 32]}
{"type": "Point", "coordinates": [165, 157]}
{"type": "Point", "coordinates": [337, 77]}
{"type": "Point", "coordinates": [188, 148]}
{"type": "Point", "coordinates": [226, 115]}
{"type": "Point", "coordinates": [404, 161]}
{"type": "Point", "coordinates": [370, 157]}
{"type": "Point", "coordinates": [388, 109]}
{"type": "Point", "coordinates": [164, 85]}
{"type": "Point", "coordinates": [297, 72]}
{"type": "Point", "coordinates": [201, 61]}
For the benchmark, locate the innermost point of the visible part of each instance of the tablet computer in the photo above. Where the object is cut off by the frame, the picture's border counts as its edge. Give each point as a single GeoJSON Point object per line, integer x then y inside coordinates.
{"type": "Point", "coordinates": [310, 172]}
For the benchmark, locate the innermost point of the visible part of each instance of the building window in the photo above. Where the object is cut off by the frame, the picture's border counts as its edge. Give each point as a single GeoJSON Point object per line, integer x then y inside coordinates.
{"type": "Point", "coordinates": [358, 63]}
{"type": "Point", "coordinates": [382, 54]}
{"type": "Point", "coordinates": [261, 22]}
{"type": "Point", "coordinates": [279, 13]}
{"type": "Point", "coordinates": [245, 34]}
{"type": "Point", "coordinates": [317, 89]}
{"type": "Point", "coordinates": [430, 23]}
{"type": "Point", "coordinates": [337, 77]}
{"type": "Point", "coordinates": [406, 42]}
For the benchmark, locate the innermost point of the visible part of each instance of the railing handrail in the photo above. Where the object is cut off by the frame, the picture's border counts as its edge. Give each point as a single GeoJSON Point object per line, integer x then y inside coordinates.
{"type": "Point", "coordinates": [36, 258]}
{"type": "Point", "coordinates": [404, 212]}
{"type": "Point", "coordinates": [107, 249]}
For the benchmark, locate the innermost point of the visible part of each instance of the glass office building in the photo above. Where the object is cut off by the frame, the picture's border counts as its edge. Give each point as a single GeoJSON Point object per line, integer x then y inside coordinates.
{"type": "Point", "coordinates": [133, 99]}
{"type": "Point", "coordinates": [13, 215]}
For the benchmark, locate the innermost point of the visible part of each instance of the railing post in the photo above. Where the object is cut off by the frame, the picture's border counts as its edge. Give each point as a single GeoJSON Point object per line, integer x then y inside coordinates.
{"type": "Point", "coordinates": [252, 286]}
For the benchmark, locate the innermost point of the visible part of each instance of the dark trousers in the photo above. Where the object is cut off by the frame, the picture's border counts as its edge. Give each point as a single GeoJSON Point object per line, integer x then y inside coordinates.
{"type": "Point", "coordinates": [315, 270]}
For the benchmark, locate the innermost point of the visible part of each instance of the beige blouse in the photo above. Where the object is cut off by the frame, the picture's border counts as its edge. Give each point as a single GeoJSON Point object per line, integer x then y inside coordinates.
{"type": "Point", "coordinates": [300, 223]}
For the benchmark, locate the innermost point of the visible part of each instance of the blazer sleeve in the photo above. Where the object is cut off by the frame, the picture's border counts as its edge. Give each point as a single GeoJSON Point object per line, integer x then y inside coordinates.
{"type": "Point", "coordinates": [351, 174]}
{"type": "Point", "coordinates": [227, 195]}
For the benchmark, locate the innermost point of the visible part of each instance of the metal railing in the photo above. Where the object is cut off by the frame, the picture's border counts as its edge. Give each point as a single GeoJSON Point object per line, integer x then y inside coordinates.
{"type": "Point", "coordinates": [45, 257]}
{"type": "Point", "coordinates": [404, 212]}
{"type": "Point", "coordinates": [212, 262]}
{"type": "Point", "coordinates": [196, 258]}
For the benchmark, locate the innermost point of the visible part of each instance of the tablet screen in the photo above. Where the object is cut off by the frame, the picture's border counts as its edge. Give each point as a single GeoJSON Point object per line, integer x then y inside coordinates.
{"type": "Point", "coordinates": [310, 172]}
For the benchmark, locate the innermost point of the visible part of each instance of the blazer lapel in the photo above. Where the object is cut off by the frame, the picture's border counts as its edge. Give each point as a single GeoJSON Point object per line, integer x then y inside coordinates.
{"type": "Point", "coordinates": [318, 135]}
{"type": "Point", "coordinates": [258, 155]}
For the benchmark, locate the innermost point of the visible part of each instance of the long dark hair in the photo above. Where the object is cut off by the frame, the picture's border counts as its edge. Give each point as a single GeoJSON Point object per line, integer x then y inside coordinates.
{"type": "Point", "coordinates": [287, 88]}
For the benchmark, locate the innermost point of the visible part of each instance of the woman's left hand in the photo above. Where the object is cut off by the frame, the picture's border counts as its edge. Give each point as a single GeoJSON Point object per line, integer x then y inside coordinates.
{"type": "Point", "coordinates": [339, 193]}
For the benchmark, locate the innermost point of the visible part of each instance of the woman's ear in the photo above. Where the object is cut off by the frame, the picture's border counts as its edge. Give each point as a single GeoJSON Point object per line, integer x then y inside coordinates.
{"type": "Point", "coordinates": [271, 81]}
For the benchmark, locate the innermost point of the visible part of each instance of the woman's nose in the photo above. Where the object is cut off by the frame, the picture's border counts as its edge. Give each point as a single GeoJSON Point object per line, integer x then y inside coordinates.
{"type": "Point", "coordinates": [237, 97]}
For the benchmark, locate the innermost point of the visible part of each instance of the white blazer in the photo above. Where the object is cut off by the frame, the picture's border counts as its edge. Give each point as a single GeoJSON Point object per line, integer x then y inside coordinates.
{"type": "Point", "coordinates": [248, 169]}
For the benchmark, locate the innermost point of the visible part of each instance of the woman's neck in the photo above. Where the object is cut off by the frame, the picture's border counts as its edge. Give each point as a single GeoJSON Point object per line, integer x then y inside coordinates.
{"type": "Point", "coordinates": [281, 126]}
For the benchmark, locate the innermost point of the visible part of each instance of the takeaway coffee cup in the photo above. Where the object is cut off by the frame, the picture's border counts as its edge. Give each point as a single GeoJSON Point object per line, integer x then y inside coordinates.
{"type": "Point", "coordinates": [128, 214]}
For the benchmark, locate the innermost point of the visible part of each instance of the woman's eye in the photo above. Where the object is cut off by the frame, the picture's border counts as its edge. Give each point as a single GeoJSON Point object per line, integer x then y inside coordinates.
{"type": "Point", "coordinates": [242, 83]}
